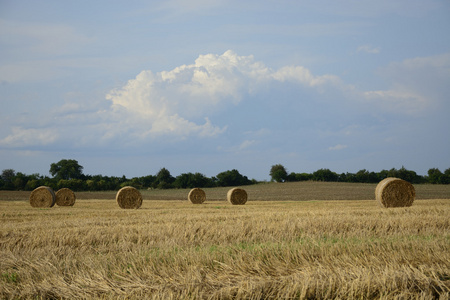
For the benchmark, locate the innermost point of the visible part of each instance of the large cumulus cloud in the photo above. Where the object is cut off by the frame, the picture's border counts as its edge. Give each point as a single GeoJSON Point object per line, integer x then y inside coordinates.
{"type": "Point", "coordinates": [173, 102]}
{"type": "Point", "coordinates": [190, 101]}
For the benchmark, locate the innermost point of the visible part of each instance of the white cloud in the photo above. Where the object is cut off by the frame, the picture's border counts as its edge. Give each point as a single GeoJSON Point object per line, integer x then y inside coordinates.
{"type": "Point", "coordinates": [186, 100]}
{"type": "Point", "coordinates": [171, 102]}
{"type": "Point", "coordinates": [304, 76]}
{"type": "Point", "coordinates": [189, 89]}
{"type": "Point", "coordinates": [418, 85]}
{"type": "Point", "coordinates": [396, 100]}
{"type": "Point", "coordinates": [337, 147]}
{"type": "Point", "coordinates": [179, 126]}
{"type": "Point", "coordinates": [246, 144]}
{"type": "Point", "coordinates": [191, 100]}
{"type": "Point", "coordinates": [368, 49]}
{"type": "Point", "coordinates": [23, 137]}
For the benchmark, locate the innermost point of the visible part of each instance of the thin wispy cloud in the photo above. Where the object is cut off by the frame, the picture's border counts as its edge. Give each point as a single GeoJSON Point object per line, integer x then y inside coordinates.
{"type": "Point", "coordinates": [368, 49]}
{"type": "Point", "coordinates": [337, 147]}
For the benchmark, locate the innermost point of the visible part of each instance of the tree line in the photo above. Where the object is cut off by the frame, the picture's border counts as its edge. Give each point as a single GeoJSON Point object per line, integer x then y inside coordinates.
{"type": "Point", "coordinates": [279, 173]}
{"type": "Point", "coordinates": [68, 173]}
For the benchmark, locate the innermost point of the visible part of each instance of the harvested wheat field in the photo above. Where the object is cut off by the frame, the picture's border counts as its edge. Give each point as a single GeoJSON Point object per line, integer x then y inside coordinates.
{"type": "Point", "coordinates": [348, 249]}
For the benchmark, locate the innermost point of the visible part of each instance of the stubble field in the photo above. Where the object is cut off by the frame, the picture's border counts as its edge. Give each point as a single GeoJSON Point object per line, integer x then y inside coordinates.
{"type": "Point", "coordinates": [290, 241]}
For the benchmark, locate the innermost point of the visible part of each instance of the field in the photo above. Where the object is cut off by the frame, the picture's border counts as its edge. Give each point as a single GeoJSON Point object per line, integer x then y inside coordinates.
{"type": "Point", "coordinates": [304, 240]}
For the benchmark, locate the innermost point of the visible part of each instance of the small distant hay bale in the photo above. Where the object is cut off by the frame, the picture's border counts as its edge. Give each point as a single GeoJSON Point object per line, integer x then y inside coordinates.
{"type": "Point", "coordinates": [42, 196]}
{"type": "Point", "coordinates": [197, 196]}
{"type": "Point", "coordinates": [65, 197]}
{"type": "Point", "coordinates": [395, 192]}
{"type": "Point", "coordinates": [237, 196]}
{"type": "Point", "coordinates": [129, 197]}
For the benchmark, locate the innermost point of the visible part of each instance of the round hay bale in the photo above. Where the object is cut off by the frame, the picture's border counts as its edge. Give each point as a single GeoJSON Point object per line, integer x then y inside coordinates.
{"type": "Point", "coordinates": [237, 196]}
{"type": "Point", "coordinates": [65, 197]}
{"type": "Point", "coordinates": [129, 197]}
{"type": "Point", "coordinates": [197, 196]}
{"type": "Point", "coordinates": [395, 192]}
{"type": "Point", "coordinates": [42, 196]}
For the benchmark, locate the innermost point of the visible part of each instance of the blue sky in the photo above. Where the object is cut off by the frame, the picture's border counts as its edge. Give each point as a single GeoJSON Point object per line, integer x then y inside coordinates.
{"type": "Point", "coordinates": [129, 87]}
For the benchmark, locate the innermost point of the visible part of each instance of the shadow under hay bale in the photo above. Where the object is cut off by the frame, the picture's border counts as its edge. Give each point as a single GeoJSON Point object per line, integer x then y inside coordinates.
{"type": "Point", "coordinates": [395, 192]}
{"type": "Point", "coordinates": [237, 196]}
{"type": "Point", "coordinates": [197, 196]}
{"type": "Point", "coordinates": [129, 197]}
{"type": "Point", "coordinates": [42, 196]}
{"type": "Point", "coordinates": [65, 197]}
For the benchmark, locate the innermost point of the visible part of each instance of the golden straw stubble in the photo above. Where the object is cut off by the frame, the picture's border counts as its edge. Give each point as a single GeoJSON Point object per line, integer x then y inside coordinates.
{"type": "Point", "coordinates": [65, 197]}
{"type": "Point", "coordinates": [42, 196]}
{"type": "Point", "coordinates": [197, 196]}
{"type": "Point", "coordinates": [129, 197]}
{"type": "Point", "coordinates": [395, 192]}
{"type": "Point", "coordinates": [237, 196]}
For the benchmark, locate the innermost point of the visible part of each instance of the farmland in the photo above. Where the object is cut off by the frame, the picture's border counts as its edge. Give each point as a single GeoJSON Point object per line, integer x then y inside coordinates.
{"type": "Point", "coordinates": [296, 241]}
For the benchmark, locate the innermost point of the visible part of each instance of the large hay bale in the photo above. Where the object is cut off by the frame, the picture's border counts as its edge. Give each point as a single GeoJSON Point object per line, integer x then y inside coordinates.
{"type": "Point", "coordinates": [65, 197]}
{"type": "Point", "coordinates": [196, 196]}
{"type": "Point", "coordinates": [395, 192]}
{"type": "Point", "coordinates": [42, 196]}
{"type": "Point", "coordinates": [237, 196]}
{"type": "Point", "coordinates": [129, 197]}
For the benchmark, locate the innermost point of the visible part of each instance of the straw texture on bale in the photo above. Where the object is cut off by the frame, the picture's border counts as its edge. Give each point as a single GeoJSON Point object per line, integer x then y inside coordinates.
{"type": "Point", "coordinates": [129, 197]}
{"type": "Point", "coordinates": [42, 196]}
{"type": "Point", "coordinates": [395, 192]}
{"type": "Point", "coordinates": [65, 197]}
{"type": "Point", "coordinates": [197, 196]}
{"type": "Point", "coordinates": [237, 196]}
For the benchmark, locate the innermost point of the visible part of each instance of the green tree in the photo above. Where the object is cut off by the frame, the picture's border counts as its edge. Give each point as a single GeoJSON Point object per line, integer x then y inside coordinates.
{"type": "Point", "coordinates": [446, 177]}
{"type": "Point", "coordinates": [190, 180]}
{"type": "Point", "coordinates": [8, 178]}
{"type": "Point", "coordinates": [73, 184]}
{"type": "Point", "coordinates": [20, 180]}
{"type": "Point", "coordinates": [66, 169]}
{"type": "Point", "coordinates": [303, 176]}
{"type": "Point", "coordinates": [408, 175]}
{"type": "Point", "coordinates": [232, 178]}
{"type": "Point", "coordinates": [325, 175]}
{"type": "Point", "coordinates": [8, 175]}
{"type": "Point", "coordinates": [163, 179]}
{"type": "Point", "coordinates": [32, 184]}
{"type": "Point", "coordinates": [147, 181]}
{"type": "Point", "coordinates": [278, 173]}
{"type": "Point", "coordinates": [362, 176]}
{"type": "Point", "coordinates": [434, 176]}
{"type": "Point", "coordinates": [383, 174]}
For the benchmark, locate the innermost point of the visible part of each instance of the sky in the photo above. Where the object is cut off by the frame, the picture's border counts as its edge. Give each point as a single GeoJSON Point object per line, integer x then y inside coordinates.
{"type": "Point", "coordinates": [130, 87]}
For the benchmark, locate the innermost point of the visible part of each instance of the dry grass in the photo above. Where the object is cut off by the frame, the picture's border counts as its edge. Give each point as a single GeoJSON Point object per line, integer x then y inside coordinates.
{"type": "Point", "coordinates": [290, 191]}
{"type": "Point", "coordinates": [262, 250]}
